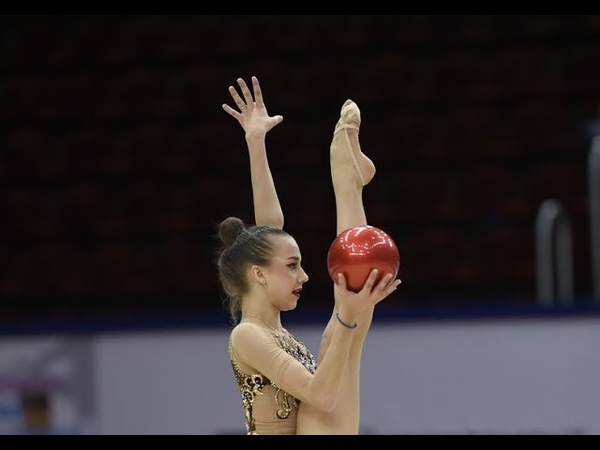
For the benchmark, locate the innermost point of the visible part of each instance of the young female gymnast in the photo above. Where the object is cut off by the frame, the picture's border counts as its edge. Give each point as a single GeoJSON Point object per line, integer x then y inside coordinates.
{"type": "Point", "coordinates": [284, 389]}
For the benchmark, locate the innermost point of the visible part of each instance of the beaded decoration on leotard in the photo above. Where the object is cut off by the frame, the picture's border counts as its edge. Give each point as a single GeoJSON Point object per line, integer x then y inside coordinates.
{"type": "Point", "coordinates": [251, 385]}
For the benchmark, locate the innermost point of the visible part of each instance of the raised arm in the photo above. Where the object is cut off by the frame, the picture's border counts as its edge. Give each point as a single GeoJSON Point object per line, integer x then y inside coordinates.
{"type": "Point", "coordinates": [255, 120]}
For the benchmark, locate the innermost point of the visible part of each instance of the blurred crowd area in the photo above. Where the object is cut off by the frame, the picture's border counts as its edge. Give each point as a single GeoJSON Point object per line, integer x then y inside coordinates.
{"type": "Point", "coordinates": [117, 162]}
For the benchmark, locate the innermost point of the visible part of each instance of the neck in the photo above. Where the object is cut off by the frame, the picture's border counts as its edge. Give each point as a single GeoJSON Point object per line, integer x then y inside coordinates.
{"type": "Point", "coordinates": [273, 323]}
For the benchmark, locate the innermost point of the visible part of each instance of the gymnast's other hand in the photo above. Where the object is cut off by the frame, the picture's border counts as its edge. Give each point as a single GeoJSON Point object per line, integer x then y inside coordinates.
{"type": "Point", "coordinates": [251, 113]}
{"type": "Point", "coordinates": [370, 295]}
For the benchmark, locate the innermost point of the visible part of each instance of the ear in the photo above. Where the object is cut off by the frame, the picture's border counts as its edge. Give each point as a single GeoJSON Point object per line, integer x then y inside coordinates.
{"type": "Point", "coordinates": [257, 275]}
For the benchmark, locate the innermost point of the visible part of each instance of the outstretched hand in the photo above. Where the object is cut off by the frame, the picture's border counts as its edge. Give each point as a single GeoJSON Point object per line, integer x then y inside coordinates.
{"type": "Point", "coordinates": [252, 114]}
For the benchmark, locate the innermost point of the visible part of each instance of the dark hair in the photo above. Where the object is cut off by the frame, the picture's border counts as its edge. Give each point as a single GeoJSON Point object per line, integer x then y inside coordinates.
{"type": "Point", "coordinates": [241, 248]}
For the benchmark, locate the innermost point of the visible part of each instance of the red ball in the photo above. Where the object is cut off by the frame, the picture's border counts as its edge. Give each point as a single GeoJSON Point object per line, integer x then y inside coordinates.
{"type": "Point", "coordinates": [357, 251]}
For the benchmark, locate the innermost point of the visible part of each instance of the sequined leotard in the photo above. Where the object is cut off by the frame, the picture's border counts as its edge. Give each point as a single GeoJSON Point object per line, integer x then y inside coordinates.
{"type": "Point", "coordinates": [268, 409]}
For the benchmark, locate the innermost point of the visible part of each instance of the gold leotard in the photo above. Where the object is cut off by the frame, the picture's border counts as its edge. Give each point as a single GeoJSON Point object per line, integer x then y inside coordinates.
{"type": "Point", "coordinates": [267, 408]}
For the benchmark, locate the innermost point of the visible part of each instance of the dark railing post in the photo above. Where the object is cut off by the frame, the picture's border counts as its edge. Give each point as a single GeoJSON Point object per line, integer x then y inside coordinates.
{"type": "Point", "coordinates": [594, 199]}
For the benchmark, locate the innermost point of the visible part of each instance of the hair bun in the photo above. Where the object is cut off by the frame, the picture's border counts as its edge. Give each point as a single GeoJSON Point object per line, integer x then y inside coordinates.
{"type": "Point", "coordinates": [230, 229]}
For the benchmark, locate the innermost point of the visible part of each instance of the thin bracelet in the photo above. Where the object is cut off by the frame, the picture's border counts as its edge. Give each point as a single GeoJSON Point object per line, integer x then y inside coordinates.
{"type": "Point", "coordinates": [337, 315]}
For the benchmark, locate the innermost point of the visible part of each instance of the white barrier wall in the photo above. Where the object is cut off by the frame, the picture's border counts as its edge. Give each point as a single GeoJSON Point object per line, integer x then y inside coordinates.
{"type": "Point", "coordinates": [504, 376]}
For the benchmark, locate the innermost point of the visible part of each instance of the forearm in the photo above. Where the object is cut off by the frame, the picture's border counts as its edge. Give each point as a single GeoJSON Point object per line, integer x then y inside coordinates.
{"type": "Point", "coordinates": [359, 336]}
{"type": "Point", "coordinates": [267, 208]}
{"type": "Point", "coordinates": [326, 384]}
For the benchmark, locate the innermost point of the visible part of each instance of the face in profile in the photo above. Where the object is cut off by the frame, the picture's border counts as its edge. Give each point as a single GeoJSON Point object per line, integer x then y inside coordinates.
{"type": "Point", "coordinates": [285, 275]}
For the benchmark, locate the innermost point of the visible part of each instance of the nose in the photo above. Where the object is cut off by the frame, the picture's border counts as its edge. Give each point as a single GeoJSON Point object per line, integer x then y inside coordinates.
{"type": "Point", "coordinates": [304, 276]}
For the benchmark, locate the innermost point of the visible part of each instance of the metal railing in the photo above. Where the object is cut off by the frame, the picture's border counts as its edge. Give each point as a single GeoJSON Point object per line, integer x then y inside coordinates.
{"type": "Point", "coordinates": [554, 255]}
{"type": "Point", "coordinates": [554, 242]}
{"type": "Point", "coordinates": [594, 199]}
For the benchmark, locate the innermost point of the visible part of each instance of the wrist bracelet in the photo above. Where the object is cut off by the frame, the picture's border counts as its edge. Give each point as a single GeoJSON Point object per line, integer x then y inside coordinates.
{"type": "Point", "coordinates": [337, 315]}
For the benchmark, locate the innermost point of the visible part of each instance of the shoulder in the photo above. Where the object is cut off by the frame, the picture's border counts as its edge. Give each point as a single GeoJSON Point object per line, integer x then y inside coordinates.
{"type": "Point", "coordinates": [248, 335]}
{"type": "Point", "coordinates": [249, 343]}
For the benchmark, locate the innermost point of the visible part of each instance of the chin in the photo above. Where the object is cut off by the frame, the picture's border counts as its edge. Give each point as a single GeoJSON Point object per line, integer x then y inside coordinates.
{"type": "Point", "coordinates": [291, 307]}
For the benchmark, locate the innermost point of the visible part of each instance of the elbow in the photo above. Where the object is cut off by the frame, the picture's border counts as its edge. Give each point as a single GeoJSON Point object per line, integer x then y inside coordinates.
{"type": "Point", "coordinates": [278, 222]}
{"type": "Point", "coordinates": [275, 222]}
{"type": "Point", "coordinates": [326, 403]}
{"type": "Point", "coordinates": [329, 407]}
{"type": "Point", "coordinates": [323, 398]}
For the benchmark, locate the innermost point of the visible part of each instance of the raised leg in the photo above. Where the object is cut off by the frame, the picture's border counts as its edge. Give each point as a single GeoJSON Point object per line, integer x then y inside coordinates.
{"type": "Point", "coordinates": [351, 170]}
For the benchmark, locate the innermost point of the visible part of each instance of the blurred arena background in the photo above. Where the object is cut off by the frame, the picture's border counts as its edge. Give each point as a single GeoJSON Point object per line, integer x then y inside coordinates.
{"type": "Point", "coordinates": [117, 162]}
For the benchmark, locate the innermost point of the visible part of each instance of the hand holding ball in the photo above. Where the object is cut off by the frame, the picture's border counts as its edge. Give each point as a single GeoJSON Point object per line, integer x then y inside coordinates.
{"type": "Point", "coordinates": [357, 251]}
